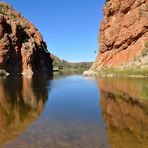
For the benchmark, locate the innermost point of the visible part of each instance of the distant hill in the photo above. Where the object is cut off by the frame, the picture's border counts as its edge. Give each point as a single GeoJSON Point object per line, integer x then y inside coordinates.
{"type": "Point", "coordinates": [59, 64]}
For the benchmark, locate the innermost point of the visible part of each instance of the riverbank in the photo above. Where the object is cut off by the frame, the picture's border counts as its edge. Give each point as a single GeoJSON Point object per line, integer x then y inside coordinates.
{"type": "Point", "coordinates": [135, 72]}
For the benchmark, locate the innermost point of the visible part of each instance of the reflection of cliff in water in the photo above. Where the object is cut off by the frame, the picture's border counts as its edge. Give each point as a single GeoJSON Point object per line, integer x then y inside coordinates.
{"type": "Point", "coordinates": [124, 108]}
{"type": "Point", "coordinates": [21, 102]}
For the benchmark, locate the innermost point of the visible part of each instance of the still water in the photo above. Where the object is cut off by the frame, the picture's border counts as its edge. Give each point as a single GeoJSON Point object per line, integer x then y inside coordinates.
{"type": "Point", "coordinates": [73, 112]}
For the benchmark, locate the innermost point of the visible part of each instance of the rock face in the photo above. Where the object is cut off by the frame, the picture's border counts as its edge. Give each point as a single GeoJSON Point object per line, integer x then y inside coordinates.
{"type": "Point", "coordinates": [123, 32]}
{"type": "Point", "coordinates": [22, 49]}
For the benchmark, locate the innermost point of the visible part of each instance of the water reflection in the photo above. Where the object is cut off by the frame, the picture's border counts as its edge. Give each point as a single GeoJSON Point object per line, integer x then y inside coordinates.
{"type": "Point", "coordinates": [71, 118]}
{"type": "Point", "coordinates": [21, 102]}
{"type": "Point", "coordinates": [79, 113]}
{"type": "Point", "coordinates": [124, 105]}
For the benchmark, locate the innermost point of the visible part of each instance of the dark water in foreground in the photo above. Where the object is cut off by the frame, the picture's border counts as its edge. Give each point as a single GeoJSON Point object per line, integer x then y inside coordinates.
{"type": "Point", "coordinates": [73, 112]}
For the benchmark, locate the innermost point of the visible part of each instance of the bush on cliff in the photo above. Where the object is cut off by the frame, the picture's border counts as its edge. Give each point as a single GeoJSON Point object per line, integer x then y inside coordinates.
{"type": "Point", "coordinates": [145, 50]}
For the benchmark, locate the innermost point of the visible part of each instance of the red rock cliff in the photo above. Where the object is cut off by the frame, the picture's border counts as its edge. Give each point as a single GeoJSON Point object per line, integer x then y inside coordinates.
{"type": "Point", "coordinates": [123, 32]}
{"type": "Point", "coordinates": [22, 49]}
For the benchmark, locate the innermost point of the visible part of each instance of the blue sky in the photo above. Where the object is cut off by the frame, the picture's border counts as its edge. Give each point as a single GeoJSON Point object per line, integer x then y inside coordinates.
{"type": "Point", "coordinates": [69, 27]}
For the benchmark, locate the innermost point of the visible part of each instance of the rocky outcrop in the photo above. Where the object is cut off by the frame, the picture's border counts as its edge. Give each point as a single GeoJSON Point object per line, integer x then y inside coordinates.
{"type": "Point", "coordinates": [22, 49]}
{"type": "Point", "coordinates": [123, 33]}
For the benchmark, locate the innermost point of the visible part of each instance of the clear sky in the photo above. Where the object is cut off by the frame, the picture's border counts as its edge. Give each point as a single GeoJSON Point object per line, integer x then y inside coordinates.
{"type": "Point", "coordinates": [69, 27]}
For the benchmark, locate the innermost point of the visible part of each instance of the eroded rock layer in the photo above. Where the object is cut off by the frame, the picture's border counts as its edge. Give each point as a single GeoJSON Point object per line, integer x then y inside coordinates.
{"type": "Point", "coordinates": [22, 49]}
{"type": "Point", "coordinates": [123, 32]}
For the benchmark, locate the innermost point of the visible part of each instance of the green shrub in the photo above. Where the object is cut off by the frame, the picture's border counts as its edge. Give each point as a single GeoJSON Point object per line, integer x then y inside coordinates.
{"type": "Point", "coordinates": [146, 44]}
{"type": "Point", "coordinates": [13, 16]}
{"type": "Point", "coordinates": [145, 50]}
{"type": "Point", "coordinates": [3, 8]}
{"type": "Point", "coordinates": [2, 73]}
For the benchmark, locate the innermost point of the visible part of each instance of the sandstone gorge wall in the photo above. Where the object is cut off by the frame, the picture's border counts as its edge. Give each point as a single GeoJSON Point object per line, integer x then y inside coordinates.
{"type": "Point", "coordinates": [123, 32]}
{"type": "Point", "coordinates": [22, 49]}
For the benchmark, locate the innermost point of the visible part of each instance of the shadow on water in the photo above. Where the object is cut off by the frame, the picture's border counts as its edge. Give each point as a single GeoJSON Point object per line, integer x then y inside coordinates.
{"type": "Point", "coordinates": [21, 102]}
{"type": "Point", "coordinates": [124, 106]}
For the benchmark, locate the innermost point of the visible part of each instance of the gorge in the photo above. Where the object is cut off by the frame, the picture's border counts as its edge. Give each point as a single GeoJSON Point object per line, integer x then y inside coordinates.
{"type": "Point", "coordinates": [123, 40]}
{"type": "Point", "coordinates": [46, 102]}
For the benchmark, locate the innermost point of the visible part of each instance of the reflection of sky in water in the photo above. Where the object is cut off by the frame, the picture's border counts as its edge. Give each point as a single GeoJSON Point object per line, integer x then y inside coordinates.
{"type": "Point", "coordinates": [73, 98]}
{"type": "Point", "coordinates": [71, 117]}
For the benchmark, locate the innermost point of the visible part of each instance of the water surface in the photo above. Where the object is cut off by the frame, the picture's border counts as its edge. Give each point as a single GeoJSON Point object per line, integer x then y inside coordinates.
{"type": "Point", "coordinates": [73, 112]}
